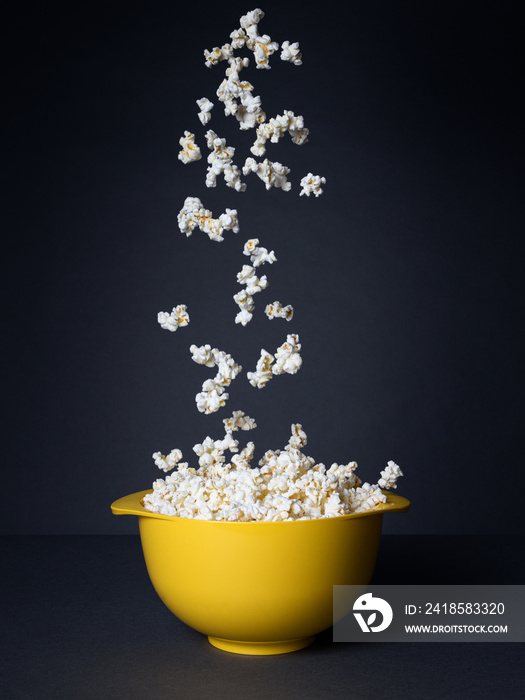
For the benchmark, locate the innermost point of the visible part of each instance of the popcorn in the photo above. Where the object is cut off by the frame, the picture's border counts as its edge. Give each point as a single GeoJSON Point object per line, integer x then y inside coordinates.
{"type": "Point", "coordinates": [233, 90]}
{"type": "Point", "coordinates": [220, 162]}
{"type": "Point", "coordinates": [244, 298]}
{"type": "Point", "coordinates": [205, 107]}
{"type": "Point", "coordinates": [209, 401]}
{"type": "Point", "coordinates": [287, 358]}
{"type": "Point", "coordinates": [275, 130]}
{"type": "Point", "coordinates": [239, 421]}
{"type": "Point", "coordinates": [287, 484]}
{"type": "Point", "coordinates": [177, 318]}
{"type": "Point", "coordinates": [193, 215]}
{"type": "Point", "coordinates": [190, 151]}
{"type": "Point", "coordinates": [258, 254]}
{"type": "Point", "coordinates": [253, 283]}
{"type": "Point", "coordinates": [245, 302]}
{"type": "Point", "coordinates": [263, 49]}
{"type": "Point", "coordinates": [169, 462]}
{"type": "Point", "coordinates": [212, 397]}
{"type": "Point", "coordinates": [312, 184]}
{"type": "Point", "coordinates": [291, 53]}
{"type": "Point", "coordinates": [224, 53]}
{"type": "Point", "coordinates": [276, 310]}
{"type": "Point", "coordinates": [263, 371]}
{"type": "Point", "coordinates": [389, 476]}
{"type": "Point", "coordinates": [272, 174]}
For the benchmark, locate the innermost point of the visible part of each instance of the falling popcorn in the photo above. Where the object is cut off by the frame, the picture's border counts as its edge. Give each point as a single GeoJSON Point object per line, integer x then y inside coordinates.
{"type": "Point", "coordinates": [311, 184]}
{"type": "Point", "coordinates": [276, 310]}
{"type": "Point", "coordinates": [190, 151]}
{"type": "Point", "coordinates": [194, 215]}
{"type": "Point", "coordinates": [177, 318]}
{"type": "Point", "coordinates": [287, 484]}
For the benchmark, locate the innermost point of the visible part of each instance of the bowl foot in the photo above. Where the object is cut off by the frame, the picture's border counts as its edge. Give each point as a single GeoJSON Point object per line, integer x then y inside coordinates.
{"type": "Point", "coordinates": [261, 648]}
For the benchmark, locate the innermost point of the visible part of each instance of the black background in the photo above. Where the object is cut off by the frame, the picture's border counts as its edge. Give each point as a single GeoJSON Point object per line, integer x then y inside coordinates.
{"type": "Point", "coordinates": [406, 275]}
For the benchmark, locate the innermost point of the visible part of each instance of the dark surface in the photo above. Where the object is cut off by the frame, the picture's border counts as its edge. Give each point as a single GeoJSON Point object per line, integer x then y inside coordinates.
{"type": "Point", "coordinates": [81, 620]}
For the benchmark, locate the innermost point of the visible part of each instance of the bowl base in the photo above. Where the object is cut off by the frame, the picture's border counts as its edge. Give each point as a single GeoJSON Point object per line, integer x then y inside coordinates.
{"type": "Point", "coordinates": [261, 648]}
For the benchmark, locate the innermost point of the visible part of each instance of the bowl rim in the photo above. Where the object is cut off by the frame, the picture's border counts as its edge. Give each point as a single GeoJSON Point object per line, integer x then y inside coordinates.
{"type": "Point", "coordinates": [131, 505]}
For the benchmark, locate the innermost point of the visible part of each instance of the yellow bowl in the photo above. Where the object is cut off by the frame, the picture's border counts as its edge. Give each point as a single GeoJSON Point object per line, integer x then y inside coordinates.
{"type": "Point", "coordinates": [257, 587]}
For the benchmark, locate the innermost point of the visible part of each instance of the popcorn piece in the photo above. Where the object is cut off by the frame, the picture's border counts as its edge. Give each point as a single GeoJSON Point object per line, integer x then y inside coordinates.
{"type": "Point", "coordinates": [220, 162]}
{"type": "Point", "coordinates": [272, 174]}
{"type": "Point", "coordinates": [389, 476]}
{"type": "Point", "coordinates": [177, 318]}
{"type": "Point", "coordinates": [291, 53]}
{"type": "Point", "coordinates": [193, 215]}
{"type": "Point", "coordinates": [244, 298]}
{"type": "Point", "coordinates": [212, 397]}
{"type": "Point", "coordinates": [210, 401]}
{"type": "Point", "coordinates": [263, 371]}
{"type": "Point", "coordinates": [287, 358]}
{"type": "Point", "coordinates": [263, 49]}
{"type": "Point", "coordinates": [224, 53]}
{"type": "Point", "coordinates": [287, 485]}
{"type": "Point", "coordinates": [276, 310]}
{"type": "Point", "coordinates": [205, 107]}
{"type": "Point", "coordinates": [245, 302]}
{"type": "Point", "coordinates": [238, 38]}
{"type": "Point", "coordinates": [237, 97]}
{"type": "Point", "coordinates": [239, 421]}
{"type": "Point", "coordinates": [169, 462]}
{"type": "Point", "coordinates": [275, 130]}
{"type": "Point", "coordinates": [190, 151]}
{"type": "Point", "coordinates": [253, 283]}
{"type": "Point", "coordinates": [312, 184]}
{"type": "Point", "coordinates": [258, 255]}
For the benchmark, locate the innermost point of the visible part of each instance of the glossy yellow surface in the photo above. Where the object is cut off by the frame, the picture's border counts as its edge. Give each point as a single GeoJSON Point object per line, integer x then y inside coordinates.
{"type": "Point", "coordinates": [257, 587]}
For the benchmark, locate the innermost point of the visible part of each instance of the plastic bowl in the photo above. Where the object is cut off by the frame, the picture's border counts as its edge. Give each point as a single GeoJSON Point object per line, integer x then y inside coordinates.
{"type": "Point", "coordinates": [257, 587]}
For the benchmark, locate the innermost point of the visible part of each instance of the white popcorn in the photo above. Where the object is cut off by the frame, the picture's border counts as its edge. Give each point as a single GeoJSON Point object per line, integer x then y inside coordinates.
{"type": "Point", "coordinates": [251, 19]}
{"type": "Point", "coordinates": [245, 303]}
{"type": "Point", "coordinates": [210, 401]}
{"type": "Point", "coordinates": [273, 174]}
{"type": "Point", "coordinates": [177, 318]}
{"type": "Point", "coordinates": [311, 184]}
{"type": "Point", "coordinates": [258, 254]}
{"type": "Point", "coordinates": [205, 107]}
{"type": "Point", "coordinates": [263, 49]}
{"type": "Point", "coordinates": [169, 462]}
{"type": "Point", "coordinates": [389, 476]}
{"type": "Point", "coordinates": [253, 283]}
{"type": "Point", "coordinates": [287, 484]}
{"type": "Point", "coordinates": [287, 358]}
{"type": "Point", "coordinates": [237, 97]}
{"type": "Point", "coordinates": [275, 130]}
{"type": "Point", "coordinates": [238, 38]}
{"type": "Point", "coordinates": [203, 355]}
{"type": "Point", "coordinates": [263, 372]}
{"type": "Point", "coordinates": [194, 215]}
{"type": "Point", "coordinates": [244, 298]}
{"type": "Point", "coordinates": [291, 53]}
{"type": "Point", "coordinates": [190, 151]}
{"type": "Point", "coordinates": [220, 162]}
{"type": "Point", "coordinates": [212, 397]}
{"type": "Point", "coordinates": [224, 53]}
{"type": "Point", "coordinates": [239, 421]}
{"type": "Point", "coordinates": [276, 310]}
